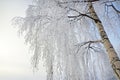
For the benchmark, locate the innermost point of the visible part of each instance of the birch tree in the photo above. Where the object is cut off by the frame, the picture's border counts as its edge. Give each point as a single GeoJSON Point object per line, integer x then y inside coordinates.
{"type": "Point", "coordinates": [113, 57]}
{"type": "Point", "coordinates": [73, 38]}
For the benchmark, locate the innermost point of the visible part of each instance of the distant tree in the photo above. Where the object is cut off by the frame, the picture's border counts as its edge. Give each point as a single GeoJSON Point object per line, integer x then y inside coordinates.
{"type": "Point", "coordinates": [73, 38]}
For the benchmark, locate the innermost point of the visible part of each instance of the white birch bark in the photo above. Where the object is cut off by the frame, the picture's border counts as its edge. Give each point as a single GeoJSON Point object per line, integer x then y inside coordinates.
{"type": "Point", "coordinates": [113, 57]}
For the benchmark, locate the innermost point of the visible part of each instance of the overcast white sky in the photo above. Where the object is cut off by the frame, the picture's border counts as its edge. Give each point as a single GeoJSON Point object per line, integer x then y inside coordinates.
{"type": "Point", "coordinates": [14, 55]}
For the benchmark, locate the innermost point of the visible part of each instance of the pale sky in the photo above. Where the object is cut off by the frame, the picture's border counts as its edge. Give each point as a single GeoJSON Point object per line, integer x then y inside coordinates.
{"type": "Point", "coordinates": [14, 54]}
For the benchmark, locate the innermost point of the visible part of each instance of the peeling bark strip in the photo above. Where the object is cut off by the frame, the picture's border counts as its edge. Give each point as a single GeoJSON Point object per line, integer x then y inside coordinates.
{"type": "Point", "coordinates": [113, 57]}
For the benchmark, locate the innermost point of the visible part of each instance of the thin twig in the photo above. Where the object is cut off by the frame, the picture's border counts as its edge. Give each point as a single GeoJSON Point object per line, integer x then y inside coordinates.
{"type": "Point", "coordinates": [88, 43]}
{"type": "Point", "coordinates": [111, 5]}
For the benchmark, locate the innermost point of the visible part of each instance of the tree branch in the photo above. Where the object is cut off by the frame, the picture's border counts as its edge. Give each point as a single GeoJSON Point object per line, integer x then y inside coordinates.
{"type": "Point", "coordinates": [81, 14]}
{"type": "Point", "coordinates": [110, 1]}
{"type": "Point", "coordinates": [78, 1]}
{"type": "Point", "coordinates": [88, 45]}
{"type": "Point", "coordinates": [118, 11]}
{"type": "Point", "coordinates": [90, 42]}
{"type": "Point", "coordinates": [115, 8]}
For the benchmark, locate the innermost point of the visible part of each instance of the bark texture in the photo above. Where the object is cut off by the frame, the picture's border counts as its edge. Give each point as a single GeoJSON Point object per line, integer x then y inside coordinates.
{"type": "Point", "coordinates": [113, 57]}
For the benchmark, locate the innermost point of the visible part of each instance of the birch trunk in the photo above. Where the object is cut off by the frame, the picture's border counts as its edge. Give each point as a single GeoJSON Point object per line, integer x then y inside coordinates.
{"type": "Point", "coordinates": [113, 57]}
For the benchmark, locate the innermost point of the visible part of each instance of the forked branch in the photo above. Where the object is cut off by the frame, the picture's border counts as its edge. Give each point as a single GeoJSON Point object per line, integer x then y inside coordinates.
{"type": "Point", "coordinates": [87, 45]}
{"type": "Point", "coordinates": [90, 42]}
{"type": "Point", "coordinates": [111, 5]}
{"type": "Point", "coordinates": [81, 15]}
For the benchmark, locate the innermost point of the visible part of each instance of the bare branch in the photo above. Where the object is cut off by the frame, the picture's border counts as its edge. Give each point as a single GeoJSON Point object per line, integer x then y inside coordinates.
{"type": "Point", "coordinates": [78, 1]}
{"type": "Point", "coordinates": [115, 8]}
{"type": "Point", "coordinates": [111, 5]}
{"type": "Point", "coordinates": [88, 45]}
{"type": "Point", "coordinates": [81, 14]}
{"type": "Point", "coordinates": [110, 1]}
{"type": "Point", "coordinates": [90, 42]}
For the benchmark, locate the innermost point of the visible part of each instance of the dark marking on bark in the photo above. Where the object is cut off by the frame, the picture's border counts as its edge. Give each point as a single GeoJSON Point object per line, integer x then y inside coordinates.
{"type": "Point", "coordinates": [104, 37]}
{"type": "Point", "coordinates": [115, 70]}
{"type": "Point", "coordinates": [97, 20]}
{"type": "Point", "coordinates": [114, 59]}
{"type": "Point", "coordinates": [111, 47]}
